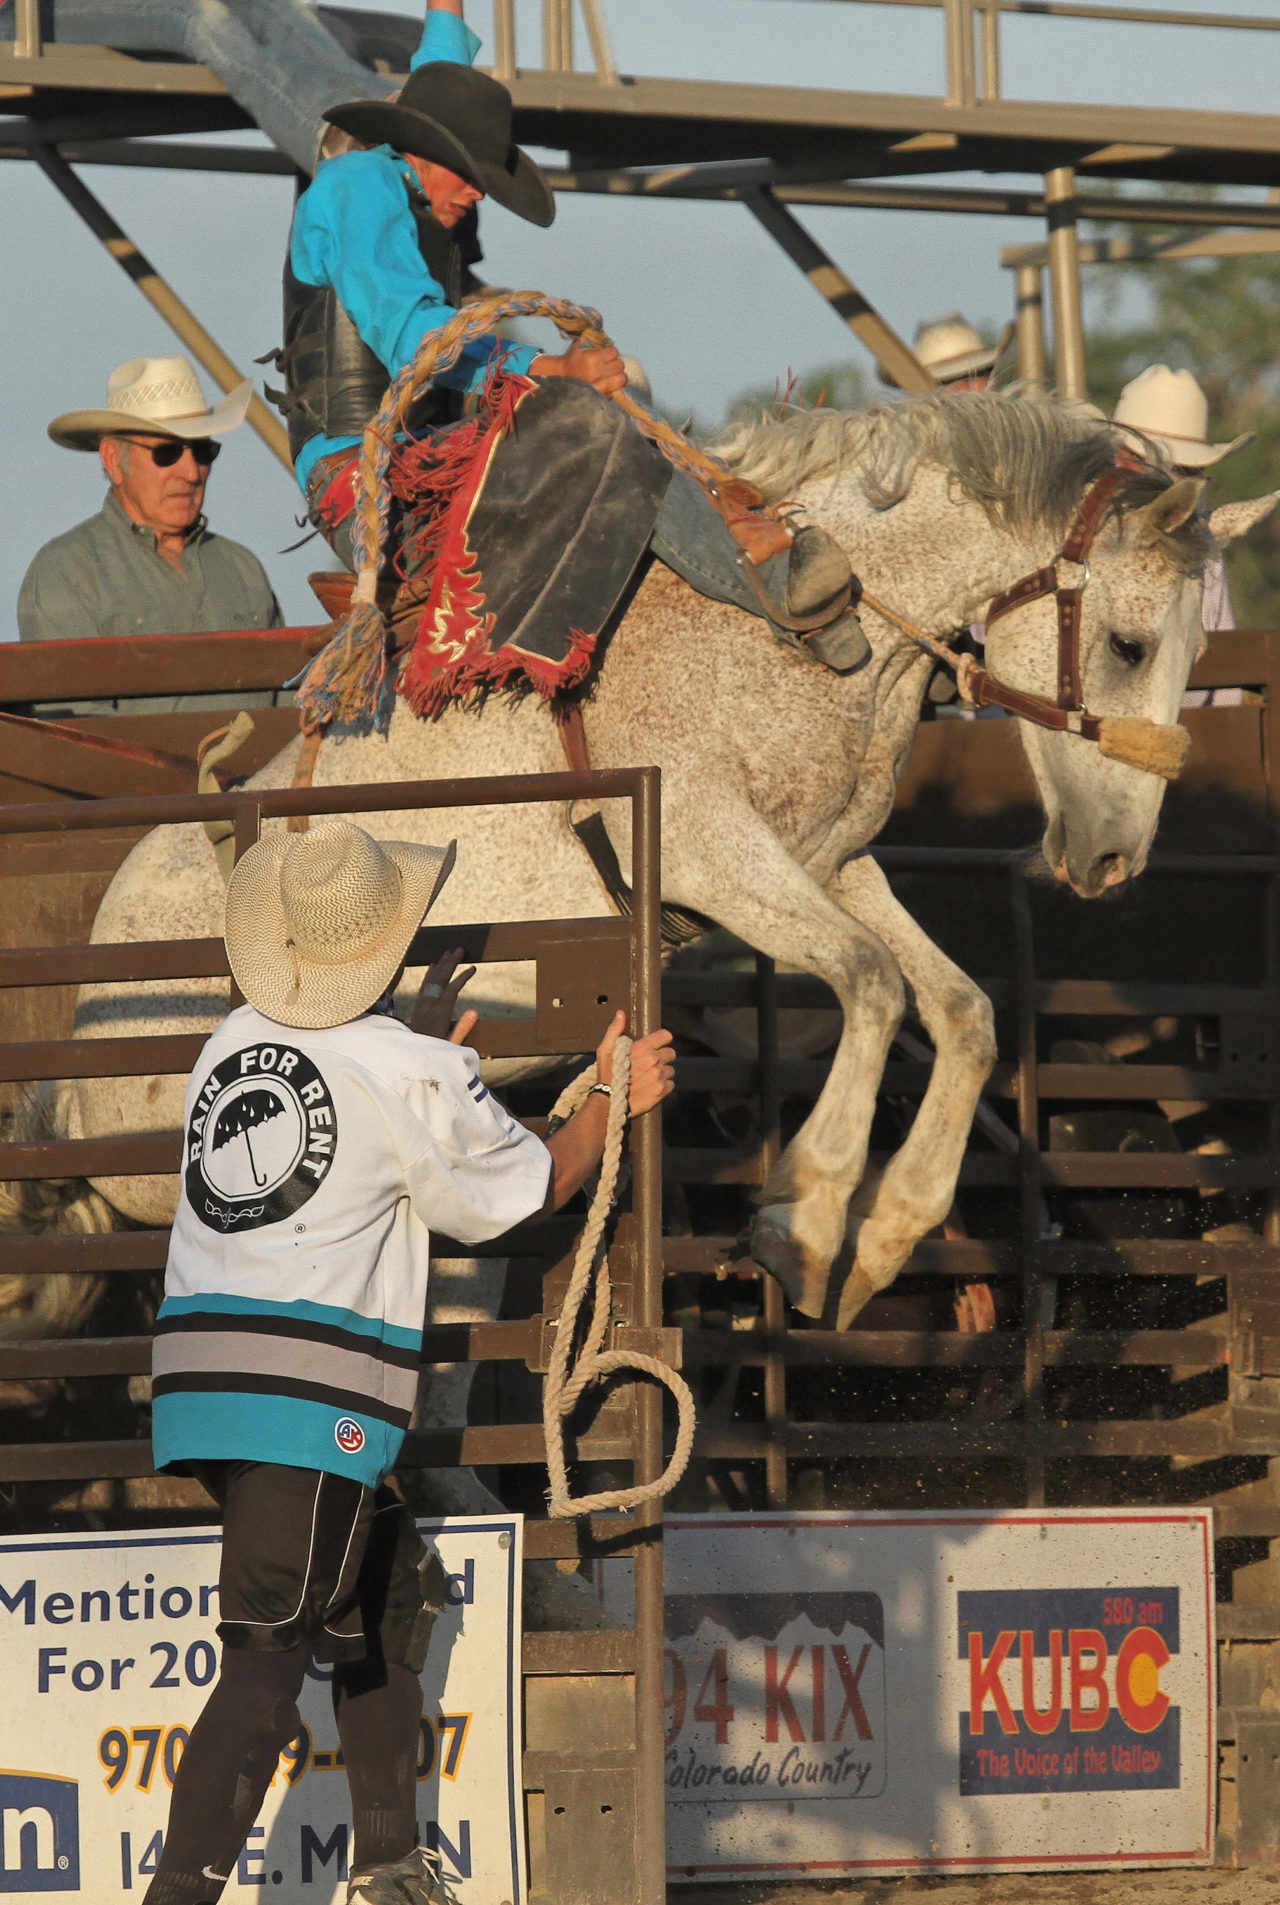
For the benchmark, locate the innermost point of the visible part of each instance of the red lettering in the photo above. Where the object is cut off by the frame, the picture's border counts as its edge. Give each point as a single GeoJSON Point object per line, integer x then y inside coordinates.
{"type": "Point", "coordinates": [1087, 1640]}
{"type": "Point", "coordinates": [819, 1731]}
{"type": "Point", "coordinates": [984, 1683]}
{"type": "Point", "coordinates": [1139, 1696]}
{"type": "Point", "coordinates": [778, 1703]}
{"type": "Point", "coordinates": [718, 1711]}
{"type": "Point", "coordinates": [853, 1708]}
{"type": "Point", "coordinates": [1038, 1721]}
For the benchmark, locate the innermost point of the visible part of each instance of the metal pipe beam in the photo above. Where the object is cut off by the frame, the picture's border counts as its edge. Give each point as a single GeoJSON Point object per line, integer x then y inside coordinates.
{"type": "Point", "coordinates": [727, 179]}
{"type": "Point", "coordinates": [1029, 323]}
{"type": "Point", "coordinates": [19, 140]}
{"type": "Point", "coordinates": [1064, 273]}
{"type": "Point", "coordinates": [159, 294]}
{"type": "Point", "coordinates": [841, 293]}
{"type": "Point", "coordinates": [601, 44]}
{"type": "Point", "coordinates": [26, 30]}
{"type": "Point", "coordinates": [504, 39]}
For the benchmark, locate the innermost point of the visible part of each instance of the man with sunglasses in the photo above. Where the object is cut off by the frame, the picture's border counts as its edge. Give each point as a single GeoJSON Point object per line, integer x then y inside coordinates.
{"type": "Point", "coordinates": [147, 563]}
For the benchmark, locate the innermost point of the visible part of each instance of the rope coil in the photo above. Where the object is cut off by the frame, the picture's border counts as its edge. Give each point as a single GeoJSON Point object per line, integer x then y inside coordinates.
{"type": "Point", "coordinates": [569, 1376]}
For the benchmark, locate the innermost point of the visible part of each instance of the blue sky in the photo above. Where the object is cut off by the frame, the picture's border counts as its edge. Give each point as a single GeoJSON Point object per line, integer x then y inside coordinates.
{"type": "Point", "coordinates": [696, 291]}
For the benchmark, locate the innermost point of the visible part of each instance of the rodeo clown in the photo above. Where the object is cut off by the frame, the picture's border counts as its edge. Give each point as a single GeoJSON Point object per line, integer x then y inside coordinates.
{"type": "Point", "coordinates": [325, 1141]}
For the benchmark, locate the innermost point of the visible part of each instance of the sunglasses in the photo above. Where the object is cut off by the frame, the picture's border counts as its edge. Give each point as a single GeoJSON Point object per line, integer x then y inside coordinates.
{"type": "Point", "coordinates": [165, 455]}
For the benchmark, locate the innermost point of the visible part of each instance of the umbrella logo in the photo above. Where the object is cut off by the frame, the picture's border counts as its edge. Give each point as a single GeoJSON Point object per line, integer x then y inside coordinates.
{"type": "Point", "coordinates": [261, 1137]}
{"type": "Point", "coordinates": [249, 1109]}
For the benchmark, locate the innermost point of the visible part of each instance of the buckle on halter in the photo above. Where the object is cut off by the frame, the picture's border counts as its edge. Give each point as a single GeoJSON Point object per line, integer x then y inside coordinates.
{"type": "Point", "coordinates": [1081, 563]}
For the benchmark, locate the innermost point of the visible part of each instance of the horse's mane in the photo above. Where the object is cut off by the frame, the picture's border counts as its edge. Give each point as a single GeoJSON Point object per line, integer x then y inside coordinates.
{"type": "Point", "coordinates": [1027, 458]}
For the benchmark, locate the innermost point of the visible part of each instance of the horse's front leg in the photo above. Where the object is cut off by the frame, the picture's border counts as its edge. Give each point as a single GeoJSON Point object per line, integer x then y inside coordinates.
{"type": "Point", "coordinates": [741, 874]}
{"type": "Point", "coordinates": [919, 1182]}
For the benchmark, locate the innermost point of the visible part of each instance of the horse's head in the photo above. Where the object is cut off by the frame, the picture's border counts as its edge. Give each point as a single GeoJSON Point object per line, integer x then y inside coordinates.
{"type": "Point", "coordinates": [1140, 632]}
{"type": "Point", "coordinates": [943, 501]}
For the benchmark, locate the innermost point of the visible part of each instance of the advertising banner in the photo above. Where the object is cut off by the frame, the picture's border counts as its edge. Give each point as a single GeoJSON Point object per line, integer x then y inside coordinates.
{"type": "Point", "coordinates": [107, 1652]}
{"type": "Point", "coordinates": [924, 1692]}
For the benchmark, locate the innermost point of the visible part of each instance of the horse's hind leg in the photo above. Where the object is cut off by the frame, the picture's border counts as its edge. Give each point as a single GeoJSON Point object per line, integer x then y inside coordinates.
{"type": "Point", "coordinates": [919, 1182]}
{"type": "Point", "coordinates": [741, 875]}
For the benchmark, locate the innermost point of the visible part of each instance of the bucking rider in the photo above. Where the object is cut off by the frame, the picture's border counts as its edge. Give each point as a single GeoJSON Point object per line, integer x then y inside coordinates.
{"type": "Point", "coordinates": [377, 262]}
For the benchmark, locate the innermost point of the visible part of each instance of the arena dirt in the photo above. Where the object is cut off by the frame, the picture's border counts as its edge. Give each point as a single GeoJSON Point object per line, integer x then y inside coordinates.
{"type": "Point", "coordinates": [1256, 1886]}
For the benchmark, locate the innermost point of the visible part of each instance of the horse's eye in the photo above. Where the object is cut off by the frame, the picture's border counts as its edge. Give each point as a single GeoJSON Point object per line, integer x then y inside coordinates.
{"type": "Point", "coordinates": [1133, 654]}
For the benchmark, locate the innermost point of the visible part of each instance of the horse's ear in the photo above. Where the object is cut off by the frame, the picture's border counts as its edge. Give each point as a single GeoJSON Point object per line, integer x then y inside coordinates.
{"type": "Point", "coordinates": [1173, 507]}
{"type": "Point", "coordinates": [1236, 519]}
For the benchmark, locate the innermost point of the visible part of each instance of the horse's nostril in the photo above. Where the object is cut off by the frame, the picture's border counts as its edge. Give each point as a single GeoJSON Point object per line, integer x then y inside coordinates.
{"type": "Point", "coordinates": [1111, 868]}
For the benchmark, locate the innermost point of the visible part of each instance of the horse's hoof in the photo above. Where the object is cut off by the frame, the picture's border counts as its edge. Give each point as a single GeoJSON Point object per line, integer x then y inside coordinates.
{"type": "Point", "coordinates": [856, 1294]}
{"type": "Point", "coordinates": [803, 1277]}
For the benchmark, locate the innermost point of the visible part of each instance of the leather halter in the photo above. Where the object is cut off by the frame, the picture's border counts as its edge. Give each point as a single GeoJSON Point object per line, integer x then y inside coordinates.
{"type": "Point", "coordinates": [1068, 712]}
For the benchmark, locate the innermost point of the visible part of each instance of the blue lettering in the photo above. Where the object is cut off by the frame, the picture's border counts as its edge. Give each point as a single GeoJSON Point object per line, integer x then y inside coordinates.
{"type": "Point", "coordinates": [315, 1853]}
{"type": "Point", "coordinates": [460, 1589]}
{"type": "Point", "coordinates": [25, 1598]}
{"type": "Point", "coordinates": [48, 1668]}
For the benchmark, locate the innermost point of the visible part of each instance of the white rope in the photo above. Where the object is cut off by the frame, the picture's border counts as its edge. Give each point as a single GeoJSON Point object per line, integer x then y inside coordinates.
{"type": "Point", "coordinates": [568, 1376]}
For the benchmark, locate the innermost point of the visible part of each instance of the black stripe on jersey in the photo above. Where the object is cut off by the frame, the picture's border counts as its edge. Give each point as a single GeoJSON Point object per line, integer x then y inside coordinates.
{"type": "Point", "coordinates": [201, 1321]}
{"type": "Point", "coordinates": [221, 1381]}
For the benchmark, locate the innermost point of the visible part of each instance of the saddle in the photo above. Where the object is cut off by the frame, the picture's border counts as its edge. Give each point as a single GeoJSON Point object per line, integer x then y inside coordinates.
{"type": "Point", "coordinates": [517, 534]}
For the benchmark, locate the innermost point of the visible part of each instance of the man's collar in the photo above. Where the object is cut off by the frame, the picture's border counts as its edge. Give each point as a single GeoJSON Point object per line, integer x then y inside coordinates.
{"type": "Point", "coordinates": [117, 513]}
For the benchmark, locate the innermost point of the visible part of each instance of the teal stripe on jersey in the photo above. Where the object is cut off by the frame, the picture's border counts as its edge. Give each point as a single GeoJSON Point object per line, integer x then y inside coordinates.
{"type": "Point", "coordinates": [212, 1427]}
{"type": "Point", "coordinates": [306, 1312]}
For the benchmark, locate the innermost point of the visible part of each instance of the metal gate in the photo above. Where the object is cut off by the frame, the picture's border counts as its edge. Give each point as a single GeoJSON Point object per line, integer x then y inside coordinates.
{"type": "Point", "coordinates": [593, 1701]}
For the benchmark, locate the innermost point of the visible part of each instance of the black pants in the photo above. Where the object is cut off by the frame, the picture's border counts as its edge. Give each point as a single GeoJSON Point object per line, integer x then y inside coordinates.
{"type": "Point", "coordinates": [313, 1566]}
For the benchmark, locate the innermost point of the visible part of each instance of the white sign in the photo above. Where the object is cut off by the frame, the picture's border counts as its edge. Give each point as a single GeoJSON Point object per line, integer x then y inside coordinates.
{"type": "Point", "coordinates": [908, 1692]}
{"type": "Point", "coordinates": [107, 1649]}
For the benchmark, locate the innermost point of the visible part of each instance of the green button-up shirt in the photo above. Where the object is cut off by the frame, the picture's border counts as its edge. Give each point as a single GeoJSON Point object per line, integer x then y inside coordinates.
{"type": "Point", "coordinates": [106, 577]}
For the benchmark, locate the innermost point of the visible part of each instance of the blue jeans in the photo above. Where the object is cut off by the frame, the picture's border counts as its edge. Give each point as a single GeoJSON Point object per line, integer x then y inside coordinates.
{"type": "Point", "coordinates": [275, 57]}
{"type": "Point", "coordinates": [691, 538]}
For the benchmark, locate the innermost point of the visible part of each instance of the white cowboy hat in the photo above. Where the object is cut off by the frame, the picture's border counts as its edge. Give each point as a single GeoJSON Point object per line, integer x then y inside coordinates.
{"type": "Point", "coordinates": [1168, 407]}
{"type": "Point", "coordinates": [950, 348]}
{"type": "Point", "coordinates": [157, 397]}
{"type": "Point", "coordinates": [318, 924]}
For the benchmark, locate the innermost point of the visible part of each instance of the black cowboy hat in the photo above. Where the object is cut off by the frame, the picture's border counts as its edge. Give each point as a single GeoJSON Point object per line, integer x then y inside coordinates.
{"type": "Point", "coordinates": [460, 119]}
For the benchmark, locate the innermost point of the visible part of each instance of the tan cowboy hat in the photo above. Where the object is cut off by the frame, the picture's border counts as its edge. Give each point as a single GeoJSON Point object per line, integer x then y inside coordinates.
{"type": "Point", "coordinates": [318, 923]}
{"type": "Point", "coordinates": [950, 348]}
{"type": "Point", "coordinates": [157, 397]}
{"type": "Point", "coordinates": [1169, 408]}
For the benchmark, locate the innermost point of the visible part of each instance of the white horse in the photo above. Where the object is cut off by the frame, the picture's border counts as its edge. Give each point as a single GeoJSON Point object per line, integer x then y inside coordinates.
{"type": "Point", "coordinates": [776, 774]}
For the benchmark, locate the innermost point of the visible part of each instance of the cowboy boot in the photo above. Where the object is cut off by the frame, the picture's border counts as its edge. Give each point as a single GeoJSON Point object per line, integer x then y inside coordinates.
{"type": "Point", "coordinates": [819, 574]}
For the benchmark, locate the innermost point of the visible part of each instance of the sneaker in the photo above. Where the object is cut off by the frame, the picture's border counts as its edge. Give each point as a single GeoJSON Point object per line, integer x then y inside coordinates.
{"type": "Point", "coordinates": [413, 1880]}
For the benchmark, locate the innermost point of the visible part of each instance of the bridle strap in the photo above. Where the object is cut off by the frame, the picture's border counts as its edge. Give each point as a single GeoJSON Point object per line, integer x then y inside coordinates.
{"type": "Point", "coordinates": [985, 691]}
{"type": "Point", "coordinates": [1042, 582]}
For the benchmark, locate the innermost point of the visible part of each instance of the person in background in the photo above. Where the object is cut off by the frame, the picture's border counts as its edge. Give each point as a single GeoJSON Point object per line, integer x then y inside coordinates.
{"type": "Point", "coordinates": [1167, 408]}
{"type": "Point", "coordinates": [954, 354]}
{"type": "Point", "coordinates": [147, 563]}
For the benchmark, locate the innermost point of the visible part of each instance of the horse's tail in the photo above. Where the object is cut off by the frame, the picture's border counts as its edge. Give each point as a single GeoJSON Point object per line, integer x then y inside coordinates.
{"type": "Point", "coordinates": [33, 1305]}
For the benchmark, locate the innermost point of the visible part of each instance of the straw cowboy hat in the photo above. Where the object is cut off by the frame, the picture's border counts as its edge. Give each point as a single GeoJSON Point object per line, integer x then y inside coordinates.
{"type": "Point", "coordinates": [950, 348]}
{"type": "Point", "coordinates": [461, 119]}
{"type": "Point", "coordinates": [318, 923]}
{"type": "Point", "coordinates": [158, 397]}
{"type": "Point", "coordinates": [1168, 407]}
